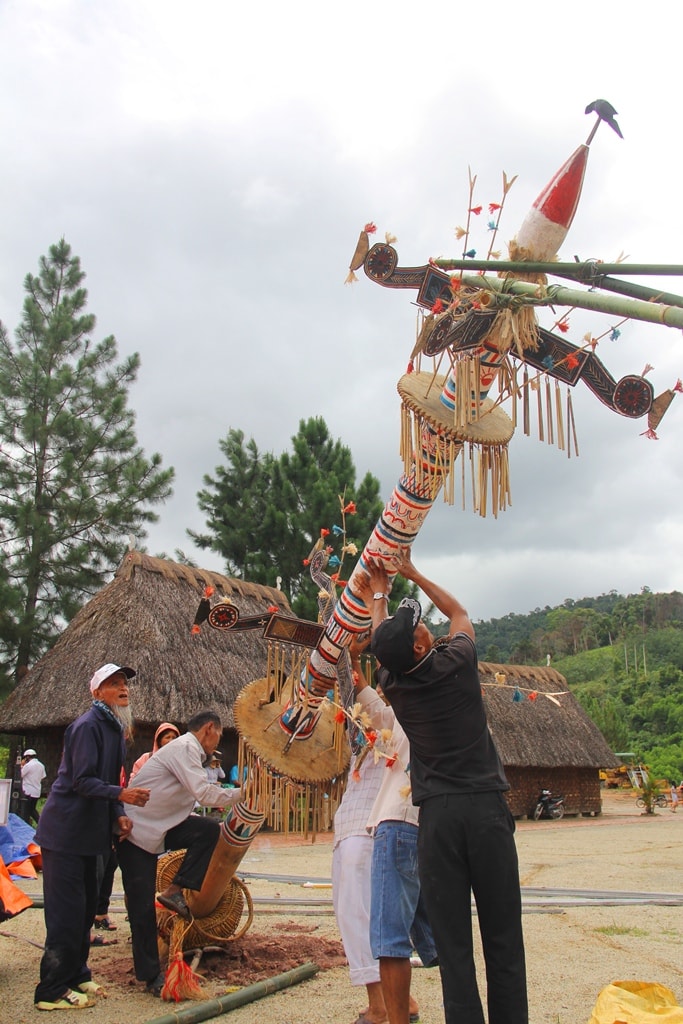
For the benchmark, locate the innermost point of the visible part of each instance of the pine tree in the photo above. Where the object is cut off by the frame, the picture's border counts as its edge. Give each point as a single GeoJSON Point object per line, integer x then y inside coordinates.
{"type": "Point", "coordinates": [265, 513]}
{"type": "Point", "coordinates": [74, 482]}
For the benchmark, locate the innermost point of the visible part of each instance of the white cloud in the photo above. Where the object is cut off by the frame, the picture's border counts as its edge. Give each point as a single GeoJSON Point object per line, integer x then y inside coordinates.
{"type": "Point", "coordinates": [212, 167]}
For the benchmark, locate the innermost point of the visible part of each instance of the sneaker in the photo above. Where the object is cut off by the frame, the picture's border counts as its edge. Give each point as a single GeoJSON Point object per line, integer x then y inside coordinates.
{"type": "Point", "coordinates": [155, 986]}
{"type": "Point", "coordinates": [69, 1001]}
{"type": "Point", "coordinates": [104, 924]}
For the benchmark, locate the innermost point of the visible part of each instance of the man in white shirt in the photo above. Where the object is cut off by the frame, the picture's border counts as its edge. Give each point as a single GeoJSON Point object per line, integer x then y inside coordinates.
{"type": "Point", "coordinates": [176, 778]}
{"type": "Point", "coordinates": [32, 775]}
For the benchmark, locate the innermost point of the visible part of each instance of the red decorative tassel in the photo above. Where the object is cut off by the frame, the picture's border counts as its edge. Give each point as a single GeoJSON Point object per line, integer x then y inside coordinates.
{"type": "Point", "coordinates": [370, 228]}
{"type": "Point", "coordinates": [209, 591]}
{"type": "Point", "coordinates": [180, 982]}
{"type": "Point", "coordinates": [650, 435]}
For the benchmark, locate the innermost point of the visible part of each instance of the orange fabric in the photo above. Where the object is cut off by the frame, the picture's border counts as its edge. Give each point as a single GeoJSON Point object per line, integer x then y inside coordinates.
{"type": "Point", "coordinates": [12, 899]}
{"type": "Point", "coordinates": [23, 868]}
{"type": "Point", "coordinates": [36, 856]}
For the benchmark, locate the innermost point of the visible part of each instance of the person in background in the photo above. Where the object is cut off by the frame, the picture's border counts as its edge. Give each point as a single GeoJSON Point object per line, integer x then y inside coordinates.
{"type": "Point", "coordinates": [166, 732]}
{"type": "Point", "coordinates": [84, 808]}
{"type": "Point", "coordinates": [214, 768]}
{"type": "Point", "coordinates": [674, 797]}
{"type": "Point", "coordinates": [32, 775]}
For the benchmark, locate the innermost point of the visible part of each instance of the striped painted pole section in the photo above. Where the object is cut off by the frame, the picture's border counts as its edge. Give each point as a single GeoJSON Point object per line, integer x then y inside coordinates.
{"type": "Point", "coordinates": [397, 527]}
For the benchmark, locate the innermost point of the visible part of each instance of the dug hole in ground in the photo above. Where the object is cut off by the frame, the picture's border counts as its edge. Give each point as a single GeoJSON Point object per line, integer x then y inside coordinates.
{"type": "Point", "coordinates": [573, 950]}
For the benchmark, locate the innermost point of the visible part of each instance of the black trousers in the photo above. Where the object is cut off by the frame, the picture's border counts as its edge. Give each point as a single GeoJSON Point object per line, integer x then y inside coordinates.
{"type": "Point", "coordinates": [70, 884]}
{"type": "Point", "coordinates": [110, 865]}
{"type": "Point", "coordinates": [29, 808]}
{"type": "Point", "coordinates": [466, 845]}
{"type": "Point", "coordinates": [139, 871]}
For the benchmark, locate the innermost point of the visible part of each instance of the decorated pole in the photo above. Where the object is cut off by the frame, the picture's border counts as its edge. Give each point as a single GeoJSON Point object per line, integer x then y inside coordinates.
{"type": "Point", "coordinates": [558, 295]}
{"type": "Point", "coordinates": [236, 835]}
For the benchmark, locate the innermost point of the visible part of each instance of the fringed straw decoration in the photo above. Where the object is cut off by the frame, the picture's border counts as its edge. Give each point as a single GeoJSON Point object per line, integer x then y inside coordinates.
{"type": "Point", "coordinates": [525, 402]}
{"type": "Point", "coordinates": [290, 805]}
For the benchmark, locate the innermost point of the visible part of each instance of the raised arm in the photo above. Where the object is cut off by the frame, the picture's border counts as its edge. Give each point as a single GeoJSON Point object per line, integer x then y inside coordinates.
{"type": "Point", "coordinates": [444, 601]}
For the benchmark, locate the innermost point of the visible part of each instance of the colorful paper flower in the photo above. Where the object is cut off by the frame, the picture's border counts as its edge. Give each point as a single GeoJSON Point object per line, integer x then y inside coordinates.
{"type": "Point", "coordinates": [350, 509]}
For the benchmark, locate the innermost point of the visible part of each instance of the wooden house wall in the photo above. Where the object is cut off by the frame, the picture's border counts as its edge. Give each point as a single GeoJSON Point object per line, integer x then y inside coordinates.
{"type": "Point", "coordinates": [579, 786]}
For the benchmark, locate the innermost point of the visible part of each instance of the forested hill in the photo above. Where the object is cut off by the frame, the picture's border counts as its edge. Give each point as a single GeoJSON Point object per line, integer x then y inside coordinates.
{"type": "Point", "coordinates": [623, 660]}
{"type": "Point", "coordinates": [577, 626]}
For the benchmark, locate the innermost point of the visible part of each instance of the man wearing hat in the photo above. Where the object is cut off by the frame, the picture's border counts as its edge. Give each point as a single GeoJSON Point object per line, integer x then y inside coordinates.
{"type": "Point", "coordinates": [83, 810]}
{"type": "Point", "coordinates": [466, 831]}
{"type": "Point", "coordinates": [32, 775]}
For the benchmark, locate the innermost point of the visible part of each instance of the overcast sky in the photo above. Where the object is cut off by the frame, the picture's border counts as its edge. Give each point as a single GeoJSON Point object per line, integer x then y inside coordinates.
{"type": "Point", "coordinates": [212, 164]}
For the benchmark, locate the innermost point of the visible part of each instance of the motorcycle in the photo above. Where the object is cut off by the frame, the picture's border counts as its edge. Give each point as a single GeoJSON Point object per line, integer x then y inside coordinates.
{"type": "Point", "coordinates": [658, 801]}
{"type": "Point", "coordinates": [549, 806]}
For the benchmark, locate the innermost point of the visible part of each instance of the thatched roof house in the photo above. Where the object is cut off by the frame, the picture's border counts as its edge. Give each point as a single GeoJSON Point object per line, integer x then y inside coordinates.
{"type": "Point", "coordinates": [545, 742]}
{"type": "Point", "coordinates": [143, 618]}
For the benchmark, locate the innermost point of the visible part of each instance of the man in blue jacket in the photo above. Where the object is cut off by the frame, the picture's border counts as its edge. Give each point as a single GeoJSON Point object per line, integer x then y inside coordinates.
{"type": "Point", "coordinates": [83, 810]}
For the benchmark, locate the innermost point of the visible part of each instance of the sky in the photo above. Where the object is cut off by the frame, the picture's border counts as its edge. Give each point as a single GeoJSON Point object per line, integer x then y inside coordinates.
{"type": "Point", "coordinates": [212, 164]}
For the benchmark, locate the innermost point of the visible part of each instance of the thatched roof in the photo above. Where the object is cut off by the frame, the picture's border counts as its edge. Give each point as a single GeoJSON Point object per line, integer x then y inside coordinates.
{"type": "Point", "coordinates": [143, 619]}
{"type": "Point", "coordinates": [537, 732]}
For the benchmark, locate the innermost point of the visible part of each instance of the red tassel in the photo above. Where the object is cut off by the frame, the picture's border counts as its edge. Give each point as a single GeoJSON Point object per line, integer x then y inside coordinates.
{"type": "Point", "coordinates": [180, 982]}
{"type": "Point", "coordinates": [650, 435]}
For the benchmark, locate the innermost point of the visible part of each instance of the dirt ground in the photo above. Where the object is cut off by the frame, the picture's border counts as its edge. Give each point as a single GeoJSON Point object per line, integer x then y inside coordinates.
{"type": "Point", "coordinates": [573, 950]}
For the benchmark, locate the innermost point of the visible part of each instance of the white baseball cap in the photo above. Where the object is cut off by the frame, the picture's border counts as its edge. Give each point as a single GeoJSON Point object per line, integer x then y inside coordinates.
{"type": "Point", "coordinates": [108, 670]}
{"type": "Point", "coordinates": [30, 753]}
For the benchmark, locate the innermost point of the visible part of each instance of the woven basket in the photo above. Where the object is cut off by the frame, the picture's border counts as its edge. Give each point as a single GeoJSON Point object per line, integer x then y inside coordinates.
{"type": "Point", "coordinates": [223, 925]}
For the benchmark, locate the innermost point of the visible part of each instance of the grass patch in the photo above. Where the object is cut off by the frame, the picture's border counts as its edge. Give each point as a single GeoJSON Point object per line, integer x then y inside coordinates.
{"type": "Point", "coordinates": [613, 929]}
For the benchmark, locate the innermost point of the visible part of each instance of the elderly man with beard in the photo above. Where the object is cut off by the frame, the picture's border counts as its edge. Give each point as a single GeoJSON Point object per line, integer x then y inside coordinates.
{"type": "Point", "coordinates": [83, 810]}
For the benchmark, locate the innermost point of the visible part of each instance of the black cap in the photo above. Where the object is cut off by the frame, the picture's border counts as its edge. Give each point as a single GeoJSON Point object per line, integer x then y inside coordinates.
{"type": "Point", "coordinates": [392, 640]}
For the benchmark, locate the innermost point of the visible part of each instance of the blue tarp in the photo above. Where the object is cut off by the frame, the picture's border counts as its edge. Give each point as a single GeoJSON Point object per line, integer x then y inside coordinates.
{"type": "Point", "coordinates": [14, 839]}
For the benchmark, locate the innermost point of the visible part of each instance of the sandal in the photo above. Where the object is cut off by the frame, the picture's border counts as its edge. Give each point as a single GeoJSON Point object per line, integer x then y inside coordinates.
{"type": "Point", "coordinates": [104, 924]}
{"type": "Point", "coordinates": [155, 986]}
{"type": "Point", "coordinates": [69, 1001]}
{"type": "Point", "coordinates": [92, 988]}
{"type": "Point", "coordinates": [176, 903]}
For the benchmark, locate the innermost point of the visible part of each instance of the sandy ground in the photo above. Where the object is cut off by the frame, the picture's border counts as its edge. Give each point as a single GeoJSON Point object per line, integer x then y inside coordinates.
{"type": "Point", "coordinates": [573, 951]}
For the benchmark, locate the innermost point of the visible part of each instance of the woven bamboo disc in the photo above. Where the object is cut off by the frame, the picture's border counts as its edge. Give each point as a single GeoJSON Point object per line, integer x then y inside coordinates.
{"type": "Point", "coordinates": [223, 925]}
{"type": "Point", "coordinates": [314, 759]}
{"type": "Point", "coordinates": [421, 393]}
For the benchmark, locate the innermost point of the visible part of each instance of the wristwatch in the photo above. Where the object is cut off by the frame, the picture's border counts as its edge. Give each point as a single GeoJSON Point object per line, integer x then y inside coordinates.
{"type": "Point", "coordinates": [379, 596]}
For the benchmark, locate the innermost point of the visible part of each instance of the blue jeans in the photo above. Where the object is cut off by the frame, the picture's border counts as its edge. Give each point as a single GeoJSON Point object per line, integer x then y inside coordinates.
{"type": "Point", "coordinates": [398, 922]}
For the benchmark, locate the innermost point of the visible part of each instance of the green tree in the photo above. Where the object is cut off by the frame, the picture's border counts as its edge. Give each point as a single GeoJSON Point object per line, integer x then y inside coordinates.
{"type": "Point", "coordinates": [73, 481]}
{"type": "Point", "coordinates": [265, 513]}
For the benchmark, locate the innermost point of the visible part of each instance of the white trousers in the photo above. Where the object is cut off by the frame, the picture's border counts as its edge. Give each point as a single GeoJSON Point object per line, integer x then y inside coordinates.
{"type": "Point", "coordinates": [351, 870]}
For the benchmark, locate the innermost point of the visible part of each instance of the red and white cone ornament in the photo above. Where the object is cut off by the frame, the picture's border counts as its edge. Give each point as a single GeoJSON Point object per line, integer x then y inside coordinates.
{"type": "Point", "coordinates": [546, 224]}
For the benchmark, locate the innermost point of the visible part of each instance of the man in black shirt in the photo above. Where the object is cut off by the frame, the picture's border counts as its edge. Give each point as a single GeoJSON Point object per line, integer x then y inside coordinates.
{"type": "Point", "coordinates": [466, 834]}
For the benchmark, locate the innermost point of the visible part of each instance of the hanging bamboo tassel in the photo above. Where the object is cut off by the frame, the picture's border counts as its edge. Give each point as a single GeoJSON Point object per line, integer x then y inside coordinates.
{"type": "Point", "coordinates": [571, 426]}
{"type": "Point", "coordinates": [539, 404]}
{"type": "Point", "coordinates": [558, 414]}
{"type": "Point", "coordinates": [549, 411]}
